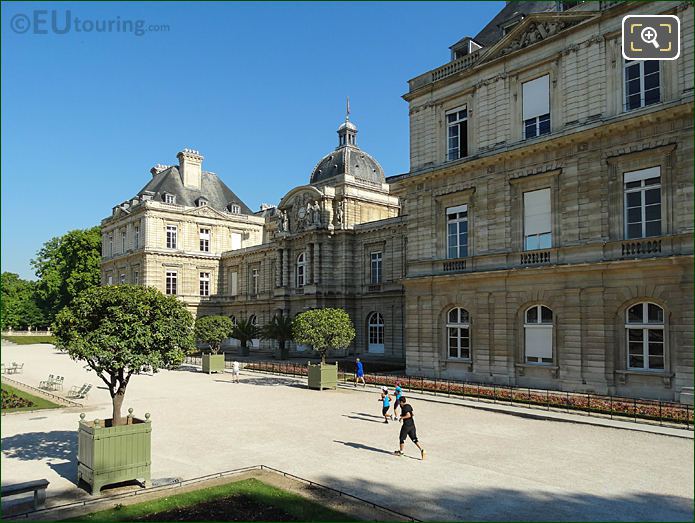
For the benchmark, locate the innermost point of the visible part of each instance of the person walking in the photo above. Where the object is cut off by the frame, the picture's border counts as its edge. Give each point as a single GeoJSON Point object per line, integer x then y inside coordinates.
{"type": "Point", "coordinates": [235, 372]}
{"type": "Point", "coordinates": [398, 392]}
{"type": "Point", "coordinates": [359, 373]}
{"type": "Point", "coordinates": [408, 429]}
{"type": "Point", "coordinates": [385, 400]}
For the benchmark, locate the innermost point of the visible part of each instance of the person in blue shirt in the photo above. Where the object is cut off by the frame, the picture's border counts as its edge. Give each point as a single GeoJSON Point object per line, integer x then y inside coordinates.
{"type": "Point", "coordinates": [385, 400]}
{"type": "Point", "coordinates": [359, 372]}
{"type": "Point", "coordinates": [397, 393]}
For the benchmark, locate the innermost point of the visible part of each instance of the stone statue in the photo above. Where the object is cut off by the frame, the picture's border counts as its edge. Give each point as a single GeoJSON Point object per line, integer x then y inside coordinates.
{"type": "Point", "coordinates": [308, 218]}
{"type": "Point", "coordinates": [316, 209]}
{"type": "Point", "coordinates": [339, 214]}
{"type": "Point", "coordinates": [283, 222]}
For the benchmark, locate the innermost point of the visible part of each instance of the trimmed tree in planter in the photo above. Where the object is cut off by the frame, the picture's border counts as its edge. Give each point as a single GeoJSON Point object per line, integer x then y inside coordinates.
{"type": "Point", "coordinates": [212, 330]}
{"type": "Point", "coordinates": [324, 329]}
{"type": "Point", "coordinates": [279, 329]}
{"type": "Point", "coordinates": [119, 331]}
{"type": "Point", "coordinates": [245, 331]}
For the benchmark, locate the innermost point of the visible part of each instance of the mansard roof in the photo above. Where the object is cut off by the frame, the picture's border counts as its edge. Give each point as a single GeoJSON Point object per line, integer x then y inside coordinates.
{"type": "Point", "coordinates": [212, 189]}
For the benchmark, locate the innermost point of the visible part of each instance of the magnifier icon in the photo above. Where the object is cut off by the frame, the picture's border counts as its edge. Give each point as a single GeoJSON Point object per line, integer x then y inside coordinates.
{"type": "Point", "coordinates": [648, 35]}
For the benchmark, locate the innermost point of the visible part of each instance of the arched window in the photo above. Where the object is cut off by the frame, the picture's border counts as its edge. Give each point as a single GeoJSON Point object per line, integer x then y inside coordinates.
{"type": "Point", "coordinates": [301, 268]}
{"type": "Point", "coordinates": [234, 320]}
{"type": "Point", "coordinates": [458, 328]}
{"type": "Point", "coordinates": [255, 342]}
{"type": "Point", "coordinates": [644, 325]}
{"type": "Point", "coordinates": [375, 331]}
{"type": "Point", "coordinates": [253, 319]}
{"type": "Point", "coordinates": [538, 334]}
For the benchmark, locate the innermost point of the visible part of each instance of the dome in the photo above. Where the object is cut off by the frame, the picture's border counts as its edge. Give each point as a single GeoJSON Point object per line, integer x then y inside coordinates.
{"type": "Point", "coordinates": [348, 159]}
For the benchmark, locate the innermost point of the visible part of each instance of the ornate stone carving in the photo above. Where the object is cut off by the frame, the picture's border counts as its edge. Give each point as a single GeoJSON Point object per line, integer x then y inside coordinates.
{"type": "Point", "coordinates": [536, 32]}
{"type": "Point", "coordinates": [339, 214]}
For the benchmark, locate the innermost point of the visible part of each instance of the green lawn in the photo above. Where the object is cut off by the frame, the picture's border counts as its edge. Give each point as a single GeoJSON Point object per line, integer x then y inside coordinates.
{"type": "Point", "coordinates": [27, 340]}
{"type": "Point", "coordinates": [12, 397]}
{"type": "Point", "coordinates": [237, 501]}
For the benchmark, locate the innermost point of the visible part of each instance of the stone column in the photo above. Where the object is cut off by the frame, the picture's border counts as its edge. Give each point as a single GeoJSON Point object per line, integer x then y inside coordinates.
{"type": "Point", "coordinates": [285, 267]}
{"type": "Point", "coordinates": [317, 266]}
{"type": "Point", "coordinates": [278, 269]}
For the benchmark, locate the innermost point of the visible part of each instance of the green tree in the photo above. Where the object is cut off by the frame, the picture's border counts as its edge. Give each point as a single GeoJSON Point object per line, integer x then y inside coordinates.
{"type": "Point", "coordinates": [66, 266]}
{"type": "Point", "coordinates": [19, 303]}
{"type": "Point", "coordinates": [279, 329]}
{"type": "Point", "coordinates": [244, 331]}
{"type": "Point", "coordinates": [324, 329]}
{"type": "Point", "coordinates": [212, 330]}
{"type": "Point", "coordinates": [123, 330]}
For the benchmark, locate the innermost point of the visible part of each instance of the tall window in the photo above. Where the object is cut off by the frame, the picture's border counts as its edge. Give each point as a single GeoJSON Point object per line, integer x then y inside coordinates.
{"type": "Point", "coordinates": [171, 236]}
{"type": "Point", "coordinates": [233, 283]}
{"type": "Point", "coordinates": [376, 259]}
{"type": "Point", "coordinates": [109, 279]}
{"type": "Point", "coordinates": [644, 324]}
{"type": "Point", "coordinates": [642, 83]}
{"type": "Point", "coordinates": [643, 203]}
{"type": "Point", "coordinates": [136, 236]}
{"type": "Point", "coordinates": [170, 286]}
{"type": "Point", "coordinates": [457, 231]}
{"type": "Point", "coordinates": [205, 284]}
{"type": "Point", "coordinates": [536, 107]}
{"type": "Point", "coordinates": [457, 133]}
{"type": "Point", "coordinates": [136, 277]}
{"type": "Point", "coordinates": [205, 240]}
{"type": "Point", "coordinates": [458, 327]}
{"type": "Point", "coordinates": [123, 236]}
{"type": "Point", "coordinates": [301, 269]}
{"type": "Point", "coordinates": [375, 328]}
{"type": "Point", "coordinates": [538, 334]}
{"type": "Point", "coordinates": [254, 281]}
{"type": "Point", "coordinates": [236, 241]}
{"type": "Point", "coordinates": [110, 244]}
{"type": "Point", "coordinates": [537, 220]}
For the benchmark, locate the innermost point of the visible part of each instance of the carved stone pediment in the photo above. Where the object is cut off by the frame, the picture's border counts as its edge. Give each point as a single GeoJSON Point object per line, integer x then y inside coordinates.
{"type": "Point", "coordinates": [533, 29]}
{"type": "Point", "coordinates": [206, 212]}
{"type": "Point", "coordinates": [301, 209]}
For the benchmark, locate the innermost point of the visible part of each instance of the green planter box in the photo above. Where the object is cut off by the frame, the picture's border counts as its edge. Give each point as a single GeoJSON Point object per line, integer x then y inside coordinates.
{"type": "Point", "coordinates": [213, 363]}
{"type": "Point", "coordinates": [107, 454]}
{"type": "Point", "coordinates": [323, 376]}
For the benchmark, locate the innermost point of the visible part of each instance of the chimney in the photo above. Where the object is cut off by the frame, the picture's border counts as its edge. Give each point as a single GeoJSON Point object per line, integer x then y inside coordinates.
{"type": "Point", "coordinates": [190, 168]}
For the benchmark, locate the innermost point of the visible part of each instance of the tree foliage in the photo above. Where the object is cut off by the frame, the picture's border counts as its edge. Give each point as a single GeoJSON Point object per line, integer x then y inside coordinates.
{"type": "Point", "coordinates": [280, 330]}
{"type": "Point", "coordinates": [324, 329]}
{"type": "Point", "coordinates": [19, 303]}
{"type": "Point", "coordinates": [212, 330]}
{"type": "Point", "coordinates": [245, 331]}
{"type": "Point", "coordinates": [124, 330]}
{"type": "Point", "coordinates": [67, 265]}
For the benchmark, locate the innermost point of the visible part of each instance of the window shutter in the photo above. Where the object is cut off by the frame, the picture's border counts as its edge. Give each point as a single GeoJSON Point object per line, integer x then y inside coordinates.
{"type": "Point", "coordinates": [536, 97]}
{"type": "Point", "coordinates": [457, 209]}
{"type": "Point", "coordinates": [644, 174]}
{"type": "Point", "coordinates": [236, 241]}
{"type": "Point", "coordinates": [537, 212]}
{"type": "Point", "coordinates": [539, 341]}
{"type": "Point", "coordinates": [233, 282]}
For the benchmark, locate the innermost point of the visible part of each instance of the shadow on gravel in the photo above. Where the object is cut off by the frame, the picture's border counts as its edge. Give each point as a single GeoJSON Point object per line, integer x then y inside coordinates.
{"type": "Point", "coordinates": [362, 446]}
{"type": "Point", "coordinates": [58, 445]}
{"type": "Point", "coordinates": [269, 381]}
{"type": "Point", "coordinates": [363, 419]}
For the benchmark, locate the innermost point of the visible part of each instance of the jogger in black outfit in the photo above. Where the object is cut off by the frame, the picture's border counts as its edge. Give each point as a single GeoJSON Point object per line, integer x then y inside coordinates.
{"type": "Point", "coordinates": [408, 428]}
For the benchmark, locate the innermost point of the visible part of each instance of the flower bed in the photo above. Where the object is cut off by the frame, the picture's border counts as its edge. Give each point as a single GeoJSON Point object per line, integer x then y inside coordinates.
{"type": "Point", "coordinates": [12, 401]}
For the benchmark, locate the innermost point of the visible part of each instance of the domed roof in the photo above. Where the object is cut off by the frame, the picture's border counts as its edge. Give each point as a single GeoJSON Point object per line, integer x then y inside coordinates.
{"type": "Point", "coordinates": [348, 159]}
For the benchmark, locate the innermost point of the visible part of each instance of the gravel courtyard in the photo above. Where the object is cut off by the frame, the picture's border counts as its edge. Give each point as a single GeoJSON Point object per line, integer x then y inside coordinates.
{"type": "Point", "coordinates": [480, 466]}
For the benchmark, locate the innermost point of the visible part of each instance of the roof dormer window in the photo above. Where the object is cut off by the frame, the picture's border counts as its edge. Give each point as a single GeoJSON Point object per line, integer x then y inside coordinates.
{"type": "Point", "coordinates": [201, 202]}
{"type": "Point", "coordinates": [234, 208]}
{"type": "Point", "coordinates": [169, 198]}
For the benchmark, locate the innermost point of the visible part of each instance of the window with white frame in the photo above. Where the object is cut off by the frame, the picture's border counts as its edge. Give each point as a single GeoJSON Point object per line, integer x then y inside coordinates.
{"type": "Point", "coordinates": [121, 278]}
{"type": "Point", "coordinates": [205, 240]}
{"type": "Point", "coordinates": [110, 244]}
{"type": "Point", "coordinates": [201, 202]}
{"type": "Point", "coordinates": [457, 133]}
{"type": "Point", "coordinates": [170, 283]}
{"type": "Point", "coordinates": [536, 107]}
{"type": "Point", "coordinates": [300, 271]}
{"type": "Point", "coordinates": [375, 267]}
{"type": "Point", "coordinates": [375, 332]}
{"type": "Point", "coordinates": [136, 236]}
{"type": "Point", "coordinates": [234, 208]}
{"type": "Point", "coordinates": [458, 329]}
{"type": "Point", "coordinates": [123, 237]}
{"type": "Point", "coordinates": [233, 283]}
{"type": "Point", "coordinates": [205, 284]}
{"type": "Point", "coordinates": [537, 220]}
{"type": "Point", "coordinates": [644, 326]}
{"type": "Point", "coordinates": [254, 282]}
{"type": "Point", "coordinates": [642, 83]}
{"type": "Point", "coordinates": [538, 335]}
{"type": "Point", "coordinates": [136, 277]}
{"type": "Point", "coordinates": [643, 203]}
{"type": "Point", "coordinates": [457, 231]}
{"type": "Point", "coordinates": [172, 232]}
{"type": "Point", "coordinates": [236, 241]}
{"type": "Point", "coordinates": [169, 198]}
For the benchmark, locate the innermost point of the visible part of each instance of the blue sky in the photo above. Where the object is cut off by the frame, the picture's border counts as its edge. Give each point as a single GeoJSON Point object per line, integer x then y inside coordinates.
{"type": "Point", "coordinates": [258, 88]}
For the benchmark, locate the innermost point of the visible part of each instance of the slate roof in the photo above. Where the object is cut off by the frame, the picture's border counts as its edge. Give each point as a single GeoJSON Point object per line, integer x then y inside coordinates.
{"type": "Point", "coordinates": [351, 160]}
{"type": "Point", "coordinates": [493, 31]}
{"type": "Point", "coordinates": [212, 189]}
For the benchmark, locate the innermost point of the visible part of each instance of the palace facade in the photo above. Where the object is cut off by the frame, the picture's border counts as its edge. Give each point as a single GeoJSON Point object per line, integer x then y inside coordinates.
{"type": "Point", "coordinates": [542, 237]}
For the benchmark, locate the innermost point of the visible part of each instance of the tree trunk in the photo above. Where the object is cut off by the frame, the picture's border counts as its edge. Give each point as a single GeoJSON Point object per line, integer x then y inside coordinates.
{"type": "Point", "coordinates": [117, 403]}
{"type": "Point", "coordinates": [283, 350]}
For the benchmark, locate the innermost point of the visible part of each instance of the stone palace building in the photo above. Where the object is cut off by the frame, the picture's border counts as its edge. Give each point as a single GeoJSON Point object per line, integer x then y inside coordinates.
{"type": "Point", "coordinates": [543, 236]}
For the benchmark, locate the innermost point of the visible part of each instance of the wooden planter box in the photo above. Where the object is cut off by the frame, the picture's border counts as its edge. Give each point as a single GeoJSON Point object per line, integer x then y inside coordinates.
{"type": "Point", "coordinates": [323, 376]}
{"type": "Point", "coordinates": [107, 454]}
{"type": "Point", "coordinates": [213, 363]}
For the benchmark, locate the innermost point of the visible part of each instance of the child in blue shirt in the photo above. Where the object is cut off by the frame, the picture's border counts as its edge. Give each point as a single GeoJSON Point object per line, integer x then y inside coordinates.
{"type": "Point", "coordinates": [385, 400]}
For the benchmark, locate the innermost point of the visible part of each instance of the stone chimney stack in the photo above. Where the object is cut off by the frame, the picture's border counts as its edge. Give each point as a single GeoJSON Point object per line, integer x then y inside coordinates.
{"type": "Point", "coordinates": [190, 168]}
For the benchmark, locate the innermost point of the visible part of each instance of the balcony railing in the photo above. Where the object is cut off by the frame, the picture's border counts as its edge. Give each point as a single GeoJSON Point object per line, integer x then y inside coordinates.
{"type": "Point", "coordinates": [444, 71]}
{"type": "Point", "coordinates": [535, 257]}
{"type": "Point", "coordinates": [635, 248]}
{"type": "Point", "coordinates": [454, 265]}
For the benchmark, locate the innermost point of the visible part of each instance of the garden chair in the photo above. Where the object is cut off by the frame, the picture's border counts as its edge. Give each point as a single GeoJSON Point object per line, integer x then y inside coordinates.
{"type": "Point", "coordinates": [85, 392]}
{"type": "Point", "coordinates": [79, 392]}
{"type": "Point", "coordinates": [47, 384]}
{"type": "Point", "coordinates": [2, 368]}
{"type": "Point", "coordinates": [18, 368]}
{"type": "Point", "coordinates": [58, 383]}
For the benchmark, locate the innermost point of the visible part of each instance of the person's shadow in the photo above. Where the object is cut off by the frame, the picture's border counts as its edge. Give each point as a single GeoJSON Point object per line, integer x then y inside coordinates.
{"type": "Point", "coordinates": [362, 419]}
{"type": "Point", "coordinates": [361, 446]}
{"type": "Point", "coordinates": [59, 447]}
